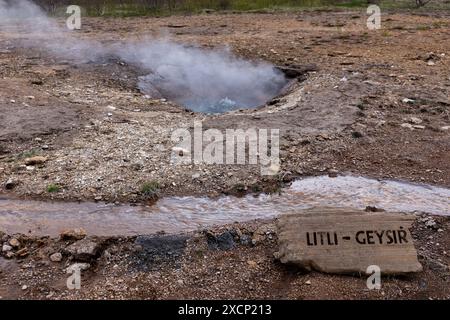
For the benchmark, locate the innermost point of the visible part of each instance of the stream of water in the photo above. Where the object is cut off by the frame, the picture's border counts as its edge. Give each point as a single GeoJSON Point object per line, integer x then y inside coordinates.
{"type": "Point", "coordinates": [181, 214]}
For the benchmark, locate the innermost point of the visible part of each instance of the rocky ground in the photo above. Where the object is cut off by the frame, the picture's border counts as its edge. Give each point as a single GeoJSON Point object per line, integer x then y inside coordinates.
{"type": "Point", "coordinates": [377, 105]}
{"type": "Point", "coordinates": [231, 262]}
{"type": "Point", "coordinates": [372, 103]}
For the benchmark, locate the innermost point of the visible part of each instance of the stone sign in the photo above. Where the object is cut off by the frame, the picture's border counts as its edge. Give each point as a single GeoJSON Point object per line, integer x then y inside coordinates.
{"type": "Point", "coordinates": [337, 240]}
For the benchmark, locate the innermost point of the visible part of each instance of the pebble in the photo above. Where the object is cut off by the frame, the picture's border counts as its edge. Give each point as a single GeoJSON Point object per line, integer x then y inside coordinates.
{"type": "Point", "coordinates": [56, 257]}
{"type": "Point", "coordinates": [24, 287]}
{"type": "Point", "coordinates": [406, 100]}
{"type": "Point", "coordinates": [73, 234]}
{"type": "Point", "coordinates": [78, 266]}
{"type": "Point", "coordinates": [407, 125]}
{"type": "Point", "coordinates": [6, 248]}
{"type": "Point", "coordinates": [308, 282]}
{"type": "Point", "coordinates": [35, 160]}
{"type": "Point", "coordinates": [430, 223]}
{"type": "Point", "coordinates": [14, 243]}
{"type": "Point", "coordinates": [415, 120]}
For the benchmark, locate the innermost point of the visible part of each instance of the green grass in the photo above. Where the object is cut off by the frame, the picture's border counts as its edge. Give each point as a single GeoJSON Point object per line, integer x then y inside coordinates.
{"type": "Point", "coordinates": [28, 154]}
{"type": "Point", "coordinates": [150, 189]}
{"type": "Point", "coordinates": [52, 188]}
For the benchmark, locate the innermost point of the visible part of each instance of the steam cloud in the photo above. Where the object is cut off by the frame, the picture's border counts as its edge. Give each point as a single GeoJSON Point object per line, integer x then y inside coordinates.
{"type": "Point", "coordinates": [201, 80]}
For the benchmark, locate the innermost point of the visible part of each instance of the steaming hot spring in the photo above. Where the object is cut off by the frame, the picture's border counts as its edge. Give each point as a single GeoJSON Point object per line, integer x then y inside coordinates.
{"type": "Point", "coordinates": [210, 81]}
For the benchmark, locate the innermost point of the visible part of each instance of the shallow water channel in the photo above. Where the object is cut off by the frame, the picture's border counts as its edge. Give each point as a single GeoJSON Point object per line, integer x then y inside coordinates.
{"type": "Point", "coordinates": [181, 214]}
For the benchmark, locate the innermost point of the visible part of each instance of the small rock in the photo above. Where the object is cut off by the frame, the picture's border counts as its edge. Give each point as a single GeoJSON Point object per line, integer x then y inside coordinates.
{"type": "Point", "coordinates": [430, 223]}
{"type": "Point", "coordinates": [416, 126]}
{"type": "Point", "coordinates": [407, 125]}
{"type": "Point", "coordinates": [415, 120]}
{"type": "Point", "coordinates": [224, 241]}
{"type": "Point", "coordinates": [431, 63]}
{"type": "Point", "coordinates": [35, 160]}
{"type": "Point", "coordinates": [56, 257]}
{"type": "Point", "coordinates": [445, 128]}
{"type": "Point", "coordinates": [78, 266]}
{"type": "Point", "coordinates": [83, 250]}
{"type": "Point", "coordinates": [24, 287]}
{"type": "Point", "coordinates": [14, 243]}
{"type": "Point", "coordinates": [308, 282]}
{"type": "Point", "coordinates": [73, 234]}
{"type": "Point", "coordinates": [196, 176]}
{"type": "Point", "coordinates": [406, 100]}
{"type": "Point", "coordinates": [6, 248]}
{"type": "Point", "coordinates": [332, 173]}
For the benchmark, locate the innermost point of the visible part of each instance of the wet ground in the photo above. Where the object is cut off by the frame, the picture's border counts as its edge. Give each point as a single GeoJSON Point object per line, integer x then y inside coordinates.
{"type": "Point", "coordinates": [182, 214]}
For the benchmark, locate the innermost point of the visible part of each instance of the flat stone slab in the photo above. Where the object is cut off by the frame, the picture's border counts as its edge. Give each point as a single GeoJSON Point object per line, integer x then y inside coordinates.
{"type": "Point", "coordinates": [340, 240]}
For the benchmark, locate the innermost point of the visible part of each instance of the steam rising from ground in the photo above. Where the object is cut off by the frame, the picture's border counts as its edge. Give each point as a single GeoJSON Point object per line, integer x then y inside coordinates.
{"type": "Point", "coordinates": [204, 80]}
{"type": "Point", "coordinates": [201, 80]}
